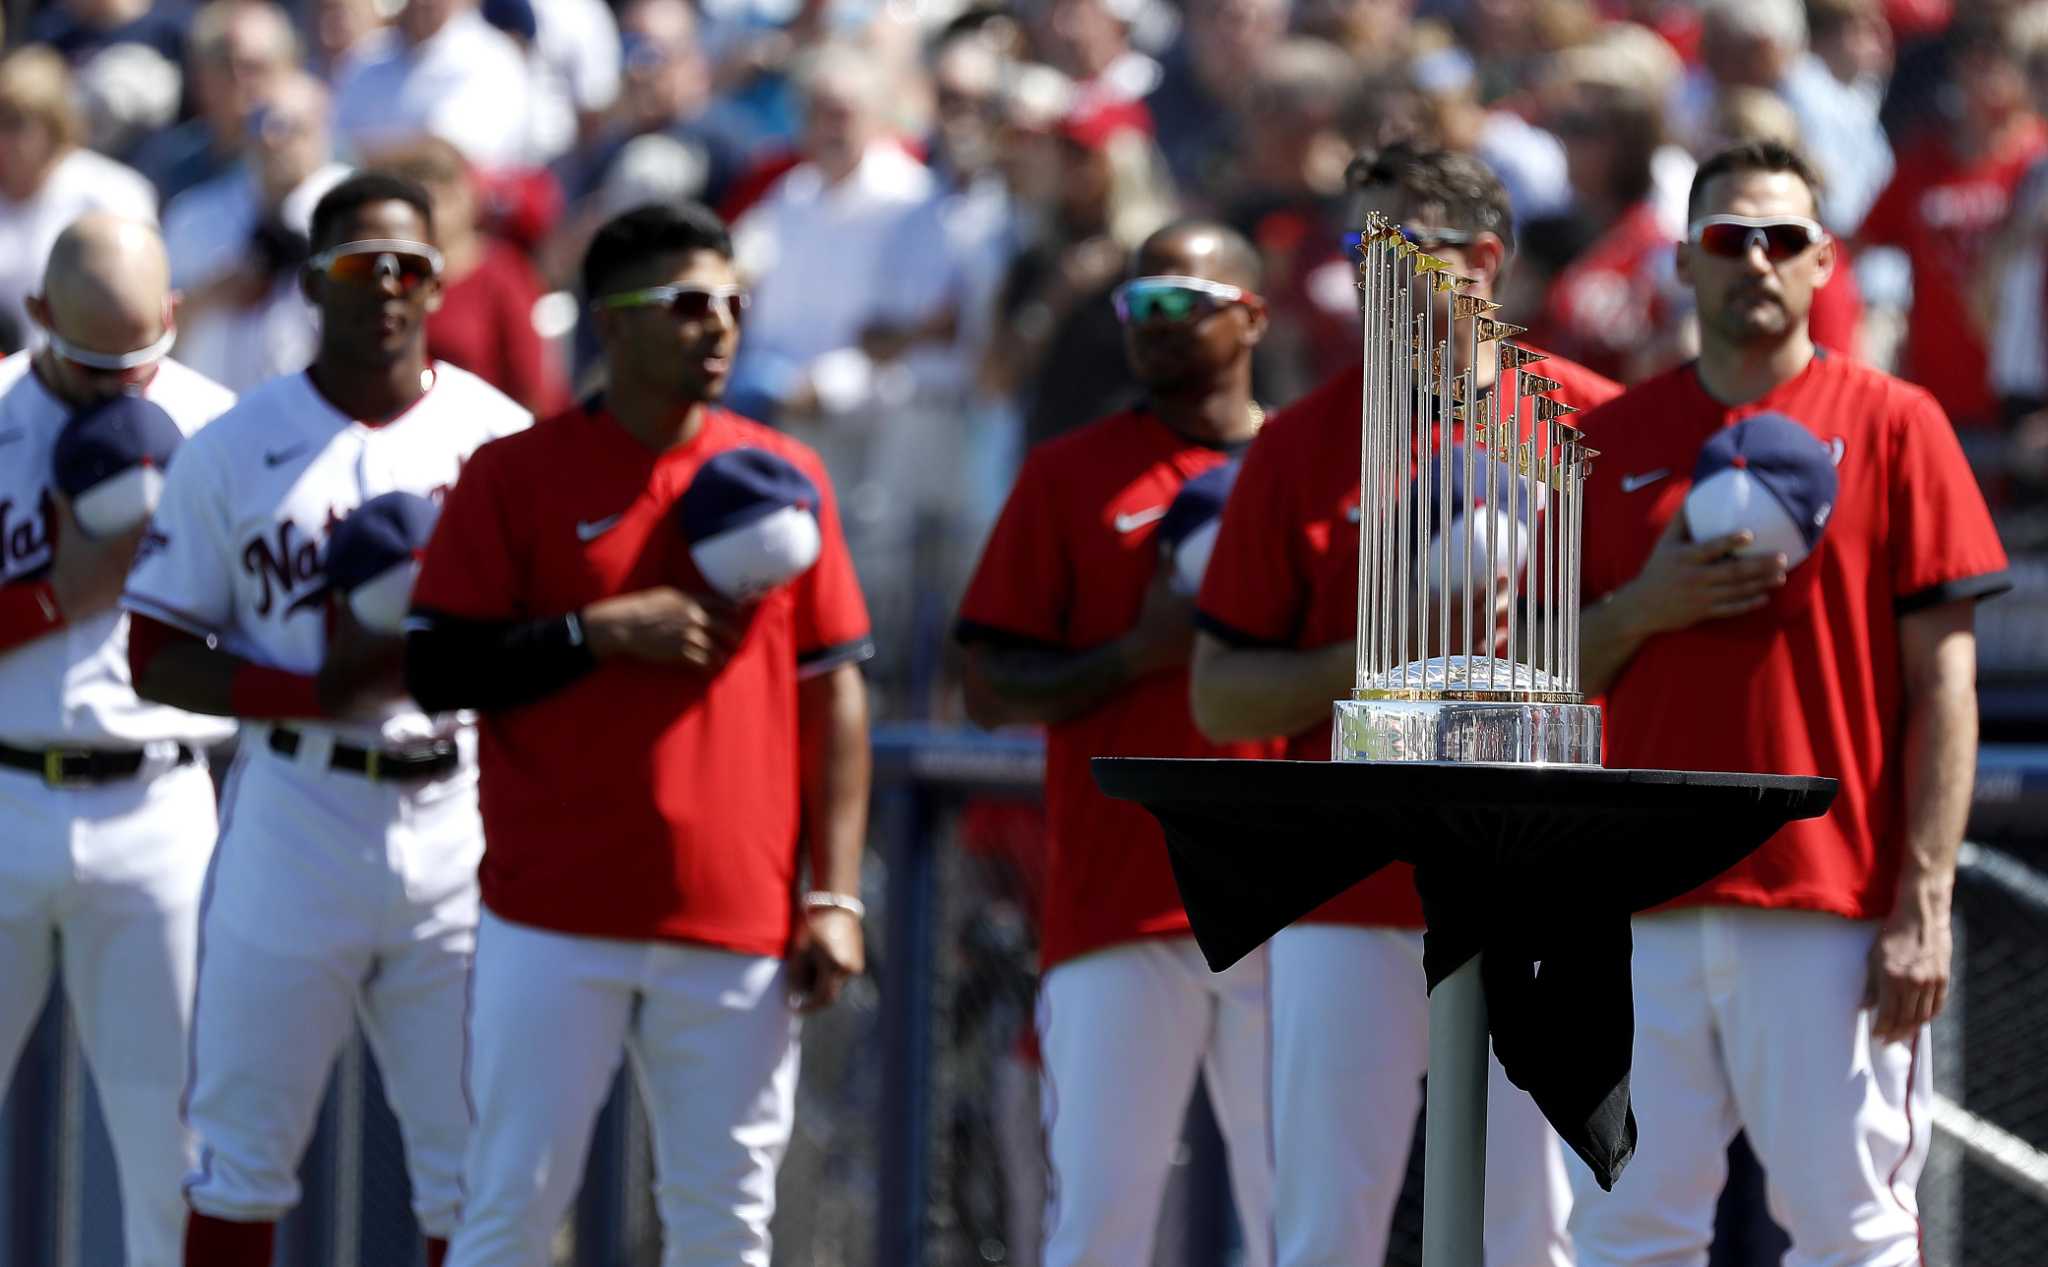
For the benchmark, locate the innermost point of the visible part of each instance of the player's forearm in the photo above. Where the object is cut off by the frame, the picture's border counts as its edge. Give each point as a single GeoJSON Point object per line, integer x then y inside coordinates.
{"type": "Point", "coordinates": [1016, 686]}
{"type": "Point", "coordinates": [1940, 662]}
{"type": "Point", "coordinates": [170, 666]}
{"type": "Point", "coordinates": [1241, 693]}
{"type": "Point", "coordinates": [832, 721]}
{"type": "Point", "coordinates": [1610, 634]}
{"type": "Point", "coordinates": [488, 665]}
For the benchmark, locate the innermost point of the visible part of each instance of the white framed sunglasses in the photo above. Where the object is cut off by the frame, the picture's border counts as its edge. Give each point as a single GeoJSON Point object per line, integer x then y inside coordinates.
{"type": "Point", "coordinates": [1732, 237]}
{"type": "Point", "coordinates": [1175, 298]}
{"type": "Point", "coordinates": [372, 260]}
{"type": "Point", "coordinates": [112, 362]}
{"type": "Point", "coordinates": [684, 301]}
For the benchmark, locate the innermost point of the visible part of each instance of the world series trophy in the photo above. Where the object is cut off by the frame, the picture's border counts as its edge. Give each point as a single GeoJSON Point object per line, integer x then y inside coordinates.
{"type": "Point", "coordinates": [1465, 746]}
{"type": "Point", "coordinates": [1440, 676]}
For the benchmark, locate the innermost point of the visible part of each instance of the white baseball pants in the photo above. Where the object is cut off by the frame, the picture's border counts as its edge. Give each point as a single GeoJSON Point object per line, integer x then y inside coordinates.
{"type": "Point", "coordinates": [332, 899]}
{"type": "Point", "coordinates": [1123, 1032]}
{"type": "Point", "coordinates": [1751, 1019]}
{"type": "Point", "coordinates": [112, 873]}
{"type": "Point", "coordinates": [714, 1048]}
{"type": "Point", "coordinates": [1350, 1048]}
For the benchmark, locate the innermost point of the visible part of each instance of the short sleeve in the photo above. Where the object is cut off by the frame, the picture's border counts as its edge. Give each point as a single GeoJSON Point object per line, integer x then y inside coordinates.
{"type": "Point", "coordinates": [1255, 593]}
{"type": "Point", "coordinates": [472, 569]}
{"type": "Point", "coordinates": [831, 616]}
{"type": "Point", "coordinates": [182, 574]}
{"type": "Point", "coordinates": [1943, 546]}
{"type": "Point", "coordinates": [1023, 587]}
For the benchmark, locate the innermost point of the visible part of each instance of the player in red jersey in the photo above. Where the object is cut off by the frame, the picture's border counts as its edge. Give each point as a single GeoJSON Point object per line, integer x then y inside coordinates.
{"type": "Point", "coordinates": [1277, 615]}
{"type": "Point", "coordinates": [1075, 620]}
{"type": "Point", "coordinates": [1790, 997]}
{"type": "Point", "coordinates": [655, 762]}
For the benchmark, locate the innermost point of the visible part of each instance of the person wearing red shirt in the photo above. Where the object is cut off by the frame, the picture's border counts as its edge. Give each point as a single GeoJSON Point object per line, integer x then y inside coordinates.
{"type": "Point", "coordinates": [1951, 194]}
{"type": "Point", "coordinates": [1074, 621]}
{"type": "Point", "coordinates": [655, 763]}
{"type": "Point", "coordinates": [1790, 997]}
{"type": "Point", "coordinates": [1277, 614]}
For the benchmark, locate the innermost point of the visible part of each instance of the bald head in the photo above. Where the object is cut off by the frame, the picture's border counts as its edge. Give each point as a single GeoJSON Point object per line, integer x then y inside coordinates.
{"type": "Point", "coordinates": [107, 284]}
{"type": "Point", "coordinates": [1201, 248]}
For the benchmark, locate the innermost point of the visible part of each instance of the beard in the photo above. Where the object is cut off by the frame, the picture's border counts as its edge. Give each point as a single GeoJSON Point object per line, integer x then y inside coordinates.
{"type": "Point", "coordinates": [1750, 316]}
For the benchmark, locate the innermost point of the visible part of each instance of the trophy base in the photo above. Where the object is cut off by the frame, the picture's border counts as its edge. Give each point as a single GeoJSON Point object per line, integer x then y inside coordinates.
{"type": "Point", "coordinates": [1490, 732]}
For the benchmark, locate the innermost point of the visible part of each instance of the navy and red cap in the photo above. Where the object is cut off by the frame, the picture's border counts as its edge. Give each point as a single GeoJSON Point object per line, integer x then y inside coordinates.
{"type": "Point", "coordinates": [112, 436]}
{"type": "Point", "coordinates": [384, 532]}
{"type": "Point", "coordinates": [1785, 459]}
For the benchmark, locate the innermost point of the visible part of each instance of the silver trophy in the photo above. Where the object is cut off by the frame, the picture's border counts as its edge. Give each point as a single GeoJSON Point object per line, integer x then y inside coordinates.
{"type": "Point", "coordinates": [1468, 527]}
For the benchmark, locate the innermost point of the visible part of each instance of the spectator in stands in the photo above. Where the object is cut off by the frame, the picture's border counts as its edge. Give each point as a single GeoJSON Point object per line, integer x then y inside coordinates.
{"type": "Point", "coordinates": [665, 91]}
{"type": "Point", "coordinates": [1606, 308]}
{"type": "Point", "coordinates": [79, 28]}
{"type": "Point", "coordinates": [489, 290]}
{"type": "Point", "coordinates": [817, 250]}
{"type": "Point", "coordinates": [1200, 108]}
{"type": "Point", "coordinates": [47, 179]}
{"type": "Point", "coordinates": [438, 70]}
{"type": "Point", "coordinates": [1059, 346]}
{"type": "Point", "coordinates": [1369, 30]}
{"type": "Point", "coordinates": [239, 50]}
{"type": "Point", "coordinates": [339, 28]}
{"type": "Point", "coordinates": [127, 93]}
{"type": "Point", "coordinates": [1529, 161]}
{"type": "Point", "coordinates": [1853, 40]}
{"type": "Point", "coordinates": [1090, 42]}
{"type": "Point", "coordinates": [1952, 191]}
{"type": "Point", "coordinates": [237, 241]}
{"type": "Point", "coordinates": [1763, 44]}
{"type": "Point", "coordinates": [574, 60]}
{"type": "Point", "coordinates": [2013, 287]}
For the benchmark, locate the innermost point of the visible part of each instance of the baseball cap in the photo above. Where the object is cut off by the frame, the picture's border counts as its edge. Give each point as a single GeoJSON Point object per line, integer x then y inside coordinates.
{"type": "Point", "coordinates": [1443, 512]}
{"type": "Point", "coordinates": [1187, 532]}
{"type": "Point", "coordinates": [373, 556]}
{"type": "Point", "coordinates": [1766, 474]}
{"type": "Point", "coordinates": [751, 521]}
{"type": "Point", "coordinates": [109, 460]}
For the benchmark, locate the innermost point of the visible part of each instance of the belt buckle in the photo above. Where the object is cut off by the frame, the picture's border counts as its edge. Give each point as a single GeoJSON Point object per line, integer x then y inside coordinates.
{"type": "Point", "coordinates": [53, 770]}
{"type": "Point", "coordinates": [373, 764]}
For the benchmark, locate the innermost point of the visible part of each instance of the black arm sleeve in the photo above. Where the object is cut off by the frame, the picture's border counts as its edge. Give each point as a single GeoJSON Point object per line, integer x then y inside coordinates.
{"type": "Point", "coordinates": [452, 663]}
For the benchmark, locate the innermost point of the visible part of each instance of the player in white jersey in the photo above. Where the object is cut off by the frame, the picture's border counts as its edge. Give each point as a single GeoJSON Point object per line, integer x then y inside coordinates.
{"type": "Point", "coordinates": [344, 884]}
{"type": "Point", "coordinates": [108, 807]}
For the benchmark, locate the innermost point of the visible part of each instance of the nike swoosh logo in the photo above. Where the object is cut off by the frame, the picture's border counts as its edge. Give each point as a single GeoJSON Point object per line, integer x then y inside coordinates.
{"type": "Point", "coordinates": [1631, 483]}
{"type": "Point", "coordinates": [1139, 518]}
{"type": "Point", "coordinates": [592, 529]}
{"type": "Point", "coordinates": [283, 456]}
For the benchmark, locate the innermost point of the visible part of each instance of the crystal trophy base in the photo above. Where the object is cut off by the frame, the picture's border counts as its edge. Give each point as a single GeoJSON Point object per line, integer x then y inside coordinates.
{"type": "Point", "coordinates": [1483, 710]}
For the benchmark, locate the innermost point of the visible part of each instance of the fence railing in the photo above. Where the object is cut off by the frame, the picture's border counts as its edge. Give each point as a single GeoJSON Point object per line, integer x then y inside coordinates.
{"type": "Point", "coordinates": [877, 1174]}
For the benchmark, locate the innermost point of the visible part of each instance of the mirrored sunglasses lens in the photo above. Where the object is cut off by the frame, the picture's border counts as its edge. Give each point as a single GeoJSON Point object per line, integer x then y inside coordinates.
{"type": "Point", "coordinates": [1783, 241]}
{"type": "Point", "coordinates": [1169, 303]}
{"type": "Point", "coordinates": [701, 305]}
{"type": "Point", "coordinates": [1724, 239]}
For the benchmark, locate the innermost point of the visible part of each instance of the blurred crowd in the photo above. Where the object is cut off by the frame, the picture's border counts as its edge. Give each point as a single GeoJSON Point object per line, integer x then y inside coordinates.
{"type": "Point", "coordinates": [933, 198]}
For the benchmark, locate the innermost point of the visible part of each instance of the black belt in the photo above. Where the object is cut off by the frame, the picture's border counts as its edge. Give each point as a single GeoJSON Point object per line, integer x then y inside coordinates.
{"type": "Point", "coordinates": [82, 767]}
{"type": "Point", "coordinates": [377, 764]}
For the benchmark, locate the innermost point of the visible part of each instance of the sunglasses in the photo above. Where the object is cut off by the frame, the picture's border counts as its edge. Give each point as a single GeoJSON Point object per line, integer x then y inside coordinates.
{"type": "Point", "coordinates": [1171, 298]}
{"type": "Point", "coordinates": [684, 302]}
{"type": "Point", "coordinates": [112, 362]}
{"type": "Point", "coordinates": [1423, 239]}
{"type": "Point", "coordinates": [1732, 237]}
{"type": "Point", "coordinates": [370, 262]}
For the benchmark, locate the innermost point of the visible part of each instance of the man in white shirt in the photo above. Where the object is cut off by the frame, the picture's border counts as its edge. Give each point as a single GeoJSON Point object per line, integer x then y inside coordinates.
{"type": "Point", "coordinates": [109, 808]}
{"type": "Point", "coordinates": [440, 69]}
{"type": "Point", "coordinates": [237, 240]}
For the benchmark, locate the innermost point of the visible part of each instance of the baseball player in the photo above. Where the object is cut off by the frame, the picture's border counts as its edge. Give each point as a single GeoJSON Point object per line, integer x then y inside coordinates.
{"type": "Point", "coordinates": [109, 806]}
{"type": "Point", "coordinates": [1073, 621]}
{"type": "Point", "coordinates": [1789, 998]}
{"type": "Point", "coordinates": [1277, 613]}
{"type": "Point", "coordinates": [669, 733]}
{"type": "Point", "coordinates": [344, 883]}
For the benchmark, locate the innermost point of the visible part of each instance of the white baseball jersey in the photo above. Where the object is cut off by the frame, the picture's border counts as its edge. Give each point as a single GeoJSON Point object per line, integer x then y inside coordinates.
{"type": "Point", "coordinates": [70, 686]}
{"type": "Point", "coordinates": [238, 543]}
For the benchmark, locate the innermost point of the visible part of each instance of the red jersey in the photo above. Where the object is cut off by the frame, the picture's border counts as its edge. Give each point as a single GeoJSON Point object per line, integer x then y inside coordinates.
{"type": "Point", "coordinates": [485, 325]}
{"type": "Point", "coordinates": [641, 801]}
{"type": "Point", "coordinates": [1285, 569]}
{"type": "Point", "coordinates": [1942, 211]}
{"type": "Point", "coordinates": [1810, 683]}
{"type": "Point", "coordinates": [1603, 307]}
{"type": "Point", "coordinates": [1066, 568]}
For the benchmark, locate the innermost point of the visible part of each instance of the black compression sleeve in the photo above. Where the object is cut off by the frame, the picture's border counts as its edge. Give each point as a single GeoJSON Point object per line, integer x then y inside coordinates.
{"type": "Point", "coordinates": [486, 665]}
